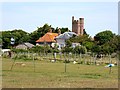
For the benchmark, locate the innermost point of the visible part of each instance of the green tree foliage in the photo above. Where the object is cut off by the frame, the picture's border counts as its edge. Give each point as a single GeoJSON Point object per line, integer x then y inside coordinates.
{"type": "Point", "coordinates": [18, 50]}
{"type": "Point", "coordinates": [88, 45]}
{"type": "Point", "coordinates": [20, 36]}
{"type": "Point", "coordinates": [41, 49]}
{"type": "Point", "coordinates": [47, 49]}
{"type": "Point", "coordinates": [80, 49]}
{"type": "Point", "coordinates": [39, 33]}
{"type": "Point", "coordinates": [67, 49]}
{"type": "Point", "coordinates": [107, 49]}
{"type": "Point", "coordinates": [6, 39]}
{"type": "Point", "coordinates": [115, 42]}
{"type": "Point", "coordinates": [37, 49]}
{"type": "Point", "coordinates": [118, 42]}
{"type": "Point", "coordinates": [84, 40]}
{"type": "Point", "coordinates": [103, 37]}
{"type": "Point", "coordinates": [68, 43]}
{"type": "Point", "coordinates": [55, 49]}
{"type": "Point", "coordinates": [105, 42]}
{"type": "Point", "coordinates": [64, 30]}
{"type": "Point", "coordinates": [96, 49]}
{"type": "Point", "coordinates": [61, 29]}
{"type": "Point", "coordinates": [80, 39]}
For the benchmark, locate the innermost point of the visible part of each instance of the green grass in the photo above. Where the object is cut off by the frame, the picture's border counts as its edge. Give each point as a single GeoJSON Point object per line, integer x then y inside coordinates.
{"type": "Point", "coordinates": [52, 75]}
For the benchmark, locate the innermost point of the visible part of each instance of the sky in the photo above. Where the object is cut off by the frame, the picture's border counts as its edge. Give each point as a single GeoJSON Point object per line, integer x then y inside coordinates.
{"type": "Point", "coordinates": [98, 16]}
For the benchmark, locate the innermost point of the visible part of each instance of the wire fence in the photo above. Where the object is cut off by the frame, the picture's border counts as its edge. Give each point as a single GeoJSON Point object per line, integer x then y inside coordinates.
{"type": "Point", "coordinates": [89, 59]}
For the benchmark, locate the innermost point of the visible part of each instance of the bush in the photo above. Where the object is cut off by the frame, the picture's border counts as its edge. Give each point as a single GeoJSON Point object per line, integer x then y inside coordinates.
{"type": "Point", "coordinates": [80, 49]}
{"type": "Point", "coordinates": [67, 49]}
{"type": "Point", "coordinates": [113, 55]}
{"type": "Point", "coordinates": [19, 50]}
{"type": "Point", "coordinates": [37, 49]}
{"type": "Point", "coordinates": [22, 57]}
{"type": "Point", "coordinates": [81, 62]}
{"type": "Point", "coordinates": [55, 50]}
{"type": "Point", "coordinates": [88, 63]}
{"type": "Point", "coordinates": [67, 61]}
{"type": "Point", "coordinates": [43, 49]}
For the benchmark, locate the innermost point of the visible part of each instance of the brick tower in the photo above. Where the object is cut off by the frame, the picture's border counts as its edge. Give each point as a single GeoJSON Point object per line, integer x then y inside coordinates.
{"type": "Point", "coordinates": [78, 26]}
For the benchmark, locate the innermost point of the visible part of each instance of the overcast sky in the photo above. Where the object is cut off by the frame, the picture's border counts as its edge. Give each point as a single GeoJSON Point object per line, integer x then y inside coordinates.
{"type": "Point", "coordinates": [28, 16]}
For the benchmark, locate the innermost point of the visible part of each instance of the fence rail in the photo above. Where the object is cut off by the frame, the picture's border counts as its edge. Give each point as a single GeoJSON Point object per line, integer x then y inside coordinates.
{"type": "Point", "coordinates": [79, 58]}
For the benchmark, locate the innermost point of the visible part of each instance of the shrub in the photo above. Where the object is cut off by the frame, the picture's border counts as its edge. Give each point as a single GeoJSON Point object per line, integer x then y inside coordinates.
{"type": "Point", "coordinates": [19, 50]}
{"type": "Point", "coordinates": [67, 61]}
{"type": "Point", "coordinates": [80, 49]}
{"type": "Point", "coordinates": [81, 62]}
{"type": "Point", "coordinates": [67, 49]}
{"type": "Point", "coordinates": [88, 63]}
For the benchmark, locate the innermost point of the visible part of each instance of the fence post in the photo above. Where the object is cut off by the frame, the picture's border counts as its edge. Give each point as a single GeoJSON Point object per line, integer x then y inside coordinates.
{"type": "Point", "coordinates": [65, 61]}
{"type": "Point", "coordinates": [12, 65]}
{"type": "Point", "coordinates": [95, 56]}
{"type": "Point", "coordinates": [69, 56]}
{"type": "Point", "coordinates": [84, 58]}
{"type": "Point", "coordinates": [90, 59]}
{"type": "Point", "coordinates": [34, 62]}
{"type": "Point", "coordinates": [75, 57]}
{"type": "Point", "coordinates": [110, 61]}
{"type": "Point", "coordinates": [13, 62]}
{"type": "Point", "coordinates": [80, 58]}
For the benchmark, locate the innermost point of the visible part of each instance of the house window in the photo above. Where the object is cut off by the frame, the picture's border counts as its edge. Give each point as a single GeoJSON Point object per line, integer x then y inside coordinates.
{"type": "Point", "coordinates": [61, 45]}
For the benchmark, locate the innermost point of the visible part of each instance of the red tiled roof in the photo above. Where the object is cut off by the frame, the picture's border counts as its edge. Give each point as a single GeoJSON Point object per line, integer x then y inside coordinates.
{"type": "Point", "coordinates": [48, 37]}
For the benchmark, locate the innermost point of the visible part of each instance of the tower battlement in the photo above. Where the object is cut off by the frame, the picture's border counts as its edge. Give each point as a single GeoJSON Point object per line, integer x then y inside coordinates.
{"type": "Point", "coordinates": [76, 21]}
{"type": "Point", "coordinates": [78, 25]}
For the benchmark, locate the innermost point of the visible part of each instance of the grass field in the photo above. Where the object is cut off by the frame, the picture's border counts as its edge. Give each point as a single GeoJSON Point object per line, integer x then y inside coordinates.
{"type": "Point", "coordinates": [53, 75]}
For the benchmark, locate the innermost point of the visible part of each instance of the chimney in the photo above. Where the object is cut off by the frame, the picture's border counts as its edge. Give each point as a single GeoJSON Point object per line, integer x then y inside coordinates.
{"type": "Point", "coordinates": [50, 30]}
{"type": "Point", "coordinates": [59, 31]}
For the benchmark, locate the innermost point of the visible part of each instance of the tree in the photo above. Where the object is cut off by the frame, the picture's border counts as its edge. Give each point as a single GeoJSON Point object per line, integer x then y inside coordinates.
{"type": "Point", "coordinates": [68, 43]}
{"type": "Point", "coordinates": [106, 49]}
{"type": "Point", "coordinates": [6, 39]}
{"type": "Point", "coordinates": [67, 49]}
{"type": "Point", "coordinates": [96, 49]}
{"type": "Point", "coordinates": [64, 30]}
{"type": "Point", "coordinates": [105, 42]}
{"type": "Point", "coordinates": [88, 45]}
{"type": "Point", "coordinates": [20, 36]}
{"type": "Point", "coordinates": [39, 33]}
{"type": "Point", "coordinates": [80, 39]}
{"type": "Point", "coordinates": [103, 37]}
{"type": "Point", "coordinates": [118, 42]}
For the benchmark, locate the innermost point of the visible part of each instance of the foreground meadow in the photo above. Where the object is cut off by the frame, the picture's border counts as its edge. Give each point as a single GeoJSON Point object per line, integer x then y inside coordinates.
{"type": "Point", "coordinates": [45, 74]}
